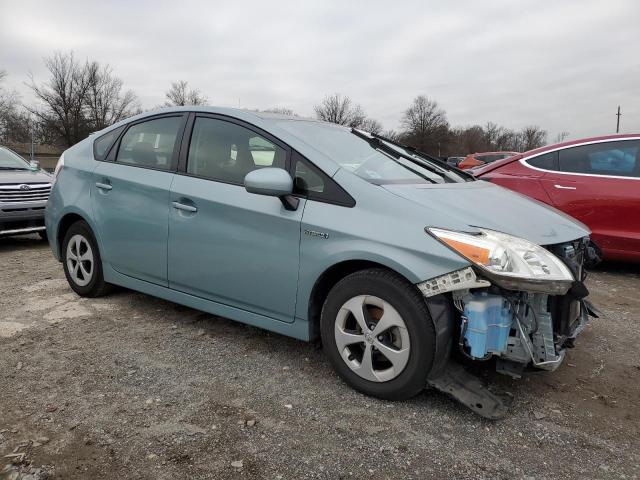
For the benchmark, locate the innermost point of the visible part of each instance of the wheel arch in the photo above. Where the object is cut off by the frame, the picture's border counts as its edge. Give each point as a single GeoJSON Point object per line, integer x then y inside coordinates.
{"type": "Point", "coordinates": [328, 279]}
{"type": "Point", "coordinates": [65, 222]}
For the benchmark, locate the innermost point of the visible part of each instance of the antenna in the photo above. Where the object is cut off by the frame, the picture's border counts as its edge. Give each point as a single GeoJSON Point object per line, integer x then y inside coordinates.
{"type": "Point", "coordinates": [618, 124]}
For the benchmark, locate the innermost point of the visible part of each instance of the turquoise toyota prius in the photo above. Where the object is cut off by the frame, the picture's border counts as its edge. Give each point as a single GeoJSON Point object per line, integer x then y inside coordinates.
{"type": "Point", "coordinates": [401, 264]}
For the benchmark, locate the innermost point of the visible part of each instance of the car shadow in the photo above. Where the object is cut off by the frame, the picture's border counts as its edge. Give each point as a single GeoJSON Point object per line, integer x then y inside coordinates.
{"type": "Point", "coordinates": [22, 242]}
{"type": "Point", "coordinates": [610, 266]}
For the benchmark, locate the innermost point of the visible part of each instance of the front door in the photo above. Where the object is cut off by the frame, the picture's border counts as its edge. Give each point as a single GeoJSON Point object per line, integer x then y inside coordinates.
{"type": "Point", "coordinates": [225, 244]}
{"type": "Point", "coordinates": [130, 199]}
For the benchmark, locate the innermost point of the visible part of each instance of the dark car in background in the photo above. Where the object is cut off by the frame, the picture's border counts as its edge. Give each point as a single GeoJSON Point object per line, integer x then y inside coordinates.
{"type": "Point", "coordinates": [478, 159]}
{"type": "Point", "coordinates": [595, 180]}
{"type": "Point", "coordinates": [454, 161]}
{"type": "Point", "coordinates": [24, 191]}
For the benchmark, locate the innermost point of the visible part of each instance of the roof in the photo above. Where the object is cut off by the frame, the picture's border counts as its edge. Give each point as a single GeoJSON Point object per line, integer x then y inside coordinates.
{"type": "Point", "coordinates": [264, 120]}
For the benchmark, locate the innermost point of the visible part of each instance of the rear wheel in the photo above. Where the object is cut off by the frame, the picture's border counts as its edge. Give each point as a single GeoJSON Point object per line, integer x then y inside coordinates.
{"type": "Point", "coordinates": [378, 334]}
{"type": "Point", "coordinates": [81, 261]}
{"type": "Point", "coordinates": [43, 235]}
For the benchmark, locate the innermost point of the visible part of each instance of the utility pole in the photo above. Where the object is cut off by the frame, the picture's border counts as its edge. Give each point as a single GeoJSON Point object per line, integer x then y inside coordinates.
{"type": "Point", "coordinates": [618, 124]}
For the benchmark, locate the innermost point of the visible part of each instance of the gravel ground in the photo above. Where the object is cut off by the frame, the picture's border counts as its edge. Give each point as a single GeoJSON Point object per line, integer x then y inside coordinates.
{"type": "Point", "coordinates": [129, 386]}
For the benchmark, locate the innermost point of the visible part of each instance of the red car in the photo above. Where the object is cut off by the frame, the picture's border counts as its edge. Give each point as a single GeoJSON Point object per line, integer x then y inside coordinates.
{"type": "Point", "coordinates": [595, 180]}
{"type": "Point", "coordinates": [479, 159]}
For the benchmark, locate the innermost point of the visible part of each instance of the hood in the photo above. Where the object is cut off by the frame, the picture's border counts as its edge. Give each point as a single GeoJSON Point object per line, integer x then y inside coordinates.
{"type": "Point", "coordinates": [466, 206]}
{"type": "Point", "coordinates": [24, 176]}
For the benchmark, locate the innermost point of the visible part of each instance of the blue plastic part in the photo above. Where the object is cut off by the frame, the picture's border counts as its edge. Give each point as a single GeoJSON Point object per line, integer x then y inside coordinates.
{"type": "Point", "coordinates": [488, 323]}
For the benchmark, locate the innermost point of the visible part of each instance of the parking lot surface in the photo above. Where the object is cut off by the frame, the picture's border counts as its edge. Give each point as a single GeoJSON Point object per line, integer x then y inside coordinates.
{"type": "Point", "coordinates": [129, 386]}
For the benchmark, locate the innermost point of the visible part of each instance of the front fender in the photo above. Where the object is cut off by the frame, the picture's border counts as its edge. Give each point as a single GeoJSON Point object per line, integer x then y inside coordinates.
{"type": "Point", "coordinates": [317, 255]}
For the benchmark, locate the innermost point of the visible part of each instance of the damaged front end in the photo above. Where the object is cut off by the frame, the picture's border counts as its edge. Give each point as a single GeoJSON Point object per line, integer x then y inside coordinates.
{"type": "Point", "coordinates": [522, 324]}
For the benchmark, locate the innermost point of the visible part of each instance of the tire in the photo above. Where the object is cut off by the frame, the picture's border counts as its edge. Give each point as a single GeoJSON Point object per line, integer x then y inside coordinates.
{"type": "Point", "coordinates": [43, 235]}
{"type": "Point", "coordinates": [85, 276]}
{"type": "Point", "coordinates": [594, 255]}
{"type": "Point", "coordinates": [386, 296]}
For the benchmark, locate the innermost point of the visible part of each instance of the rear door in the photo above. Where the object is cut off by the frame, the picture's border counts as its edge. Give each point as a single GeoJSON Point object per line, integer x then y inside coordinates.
{"type": "Point", "coordinates": [130, 196]}
{"type": "Point", "coordinates": [226, 244]}
{"type": "Point", "coordinates": [599, 185]}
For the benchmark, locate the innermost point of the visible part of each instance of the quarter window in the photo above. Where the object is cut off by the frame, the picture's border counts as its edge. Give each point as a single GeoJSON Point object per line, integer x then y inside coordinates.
{"type": "Point", "coordinates": [306, 179]}
{"type": "Point", "coordinates": [225, 151]}
{"type": "Point", "coordinates": [619, 158]}
{"type": "Point", "coordinates": [546, 161]}
{"type": "Point", "coordinates": [103, 144]}
{"type": "Point", "coordinates": [150, 144]}
{"type": "Point", "coordinates": [310, 182]}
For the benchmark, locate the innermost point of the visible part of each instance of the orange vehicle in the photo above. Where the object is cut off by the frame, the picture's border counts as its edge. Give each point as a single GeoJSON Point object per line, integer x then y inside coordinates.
{"type": "Point", "coordinates": [477, 159]}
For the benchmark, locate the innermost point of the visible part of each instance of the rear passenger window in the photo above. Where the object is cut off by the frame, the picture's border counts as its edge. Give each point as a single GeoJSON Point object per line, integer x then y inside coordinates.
{"type": "Point", "coordinates": [619, 158]}
{"type": "Point", "coordinates": [225, 151]}
{"type": "Point", "coordinates": [546, 161]}
{"type": "Point", "coordinates": [150, 144]}
{"type": "Point", "coordinates": [103, 144]}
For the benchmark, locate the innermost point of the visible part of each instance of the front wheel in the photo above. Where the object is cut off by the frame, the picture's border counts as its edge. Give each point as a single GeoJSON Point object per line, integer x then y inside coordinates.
{"type": "Point", "coordinates": [378, 334]}
{"type": "Point", "coordinates": [81, 261]}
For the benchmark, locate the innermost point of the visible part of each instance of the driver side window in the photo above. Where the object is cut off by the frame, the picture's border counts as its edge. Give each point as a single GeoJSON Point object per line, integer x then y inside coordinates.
{"type": "Point", "coordinates": [224, 151]}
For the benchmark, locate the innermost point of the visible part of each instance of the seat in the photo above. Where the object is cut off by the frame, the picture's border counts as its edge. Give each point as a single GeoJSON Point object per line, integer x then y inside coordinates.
{"type": "Point", "coordinates": [144, 154]}
{"type": "Point", "coordinates": [210, 157]}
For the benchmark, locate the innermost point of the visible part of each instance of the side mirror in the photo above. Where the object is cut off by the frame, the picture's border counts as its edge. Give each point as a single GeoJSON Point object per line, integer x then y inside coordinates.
{"type": "Point", "coordinates": [274, 182]}
{"type": "Point", "coordinates": [34, 165]}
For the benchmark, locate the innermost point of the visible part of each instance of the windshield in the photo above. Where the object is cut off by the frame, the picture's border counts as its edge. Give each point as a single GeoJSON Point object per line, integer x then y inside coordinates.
{"type": "Point", "coordinates": [11, 161]}
{"type": "Point", "coordinates": [377, 161]}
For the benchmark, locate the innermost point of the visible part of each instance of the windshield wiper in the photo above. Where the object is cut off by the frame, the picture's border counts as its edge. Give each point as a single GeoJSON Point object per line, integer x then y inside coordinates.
{"type": "Point", "coordinates": [383, 147]}
{"type": "Point", "coordinates": [13, 168]}
{"type": "Point", "coordinates": [430, 158]}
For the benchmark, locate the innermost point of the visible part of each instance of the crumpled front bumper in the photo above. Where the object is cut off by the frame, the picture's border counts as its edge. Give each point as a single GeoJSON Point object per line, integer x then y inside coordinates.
{"type": "Point", "coordinates": [538, 329]}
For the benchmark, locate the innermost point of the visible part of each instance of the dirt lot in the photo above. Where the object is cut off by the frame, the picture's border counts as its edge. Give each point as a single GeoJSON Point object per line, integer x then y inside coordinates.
{"type": "Point", "coordinates": [129, 386]}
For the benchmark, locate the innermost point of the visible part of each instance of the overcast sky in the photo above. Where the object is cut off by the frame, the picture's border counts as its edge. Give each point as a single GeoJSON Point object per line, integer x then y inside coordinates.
{"type": "Point", "coordinates": [563, 65]}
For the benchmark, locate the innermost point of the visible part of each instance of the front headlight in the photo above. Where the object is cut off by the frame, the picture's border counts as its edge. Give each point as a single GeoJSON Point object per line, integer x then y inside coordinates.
{"type": "Point", "coordinates": [511, 262]}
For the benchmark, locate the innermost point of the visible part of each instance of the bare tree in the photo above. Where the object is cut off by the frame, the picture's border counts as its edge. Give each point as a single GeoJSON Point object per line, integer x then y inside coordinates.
{"type": "Point", "coordinates": [7, 99]}
{"type": "Point", "coordinates": [105, 101]}
{"type": "Point", "coordinates": [561, 137]}
{"type": "Point", "coordinates": [425, 124]}
{"type": "Point", "coordinates": [533, 137]}
{"type": "Point", "coordinates": [63, 97]}
{"type": "Point", "coordinates": [492, 132]}
{"type": "Point", "coordinates": [281, 111]}
{"type": "Point", "coordinates": [339, 109]}
{"type": "Point", "coordinates": [391, 135]}
{"type": "Point", "coordinates": [180, 95]}
{"type": "Point", "coordinates": [474, 139]}
{"type": "Point", "coordinates": [10, 115]}
{"type": "Point", "coordinates": [507, 140]}
{"type": "Point", "coordinates": [371, 125]}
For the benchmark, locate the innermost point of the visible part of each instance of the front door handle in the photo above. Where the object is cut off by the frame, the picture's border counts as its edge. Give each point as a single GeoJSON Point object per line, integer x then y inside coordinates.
{"type": "Point", "coordinates": [103, 186]}
{"type": "Point", "coordinates": [182, 206]}
{"type": "Point", "coordinates": [562, 187]}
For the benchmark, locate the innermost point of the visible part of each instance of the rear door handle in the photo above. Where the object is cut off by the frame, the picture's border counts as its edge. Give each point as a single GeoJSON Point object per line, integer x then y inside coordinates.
{"type": "Point", "coordinates": [182, 206]}
{"type": "Point", "coordinates": [103, 186]}
{"type": "Point", "coordinates": [562, 187]}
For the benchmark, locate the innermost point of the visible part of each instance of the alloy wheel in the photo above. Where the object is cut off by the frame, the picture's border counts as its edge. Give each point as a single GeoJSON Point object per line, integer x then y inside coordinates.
{"type": "Point", "coordinates": [372, 338]}
{"type": "Point", "coordinates": [80, 261]}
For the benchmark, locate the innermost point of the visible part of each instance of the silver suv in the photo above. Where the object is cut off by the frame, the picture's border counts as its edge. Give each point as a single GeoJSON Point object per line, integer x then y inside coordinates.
{"type": "Point", "coordinates": [24, 191]}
